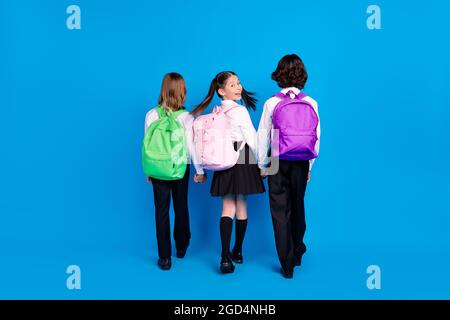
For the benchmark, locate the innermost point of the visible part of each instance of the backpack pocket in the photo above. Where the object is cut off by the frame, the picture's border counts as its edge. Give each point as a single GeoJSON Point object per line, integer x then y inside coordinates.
{"type": "Point", "coordinates": [297, 146]}
{"type": "Point", "coordinates": [163, 168]}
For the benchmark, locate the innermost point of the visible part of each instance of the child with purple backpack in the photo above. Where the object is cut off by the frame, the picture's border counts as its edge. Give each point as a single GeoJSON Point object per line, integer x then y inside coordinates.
{"type": "Point", "coordinates": [233, 182]}
{"type": "Point", "coordinates": [289, 132]}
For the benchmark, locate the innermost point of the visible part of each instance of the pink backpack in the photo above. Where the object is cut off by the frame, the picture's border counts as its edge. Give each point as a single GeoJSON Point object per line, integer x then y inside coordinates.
{"type": "Point", "coordinates": [212, 140]}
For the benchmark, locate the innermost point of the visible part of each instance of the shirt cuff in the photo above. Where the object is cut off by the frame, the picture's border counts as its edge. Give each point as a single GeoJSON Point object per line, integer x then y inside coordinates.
{"type": "Point", "coordinates": [199, 170]}
{"type": "Point", "coordinates": [263, 166]}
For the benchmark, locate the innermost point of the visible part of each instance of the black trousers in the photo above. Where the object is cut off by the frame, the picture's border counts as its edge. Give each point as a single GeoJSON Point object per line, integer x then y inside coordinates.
{"type": "Point", "coordinates": [162, 190]}
{"type": "Point", "coordinates": [286, 193]}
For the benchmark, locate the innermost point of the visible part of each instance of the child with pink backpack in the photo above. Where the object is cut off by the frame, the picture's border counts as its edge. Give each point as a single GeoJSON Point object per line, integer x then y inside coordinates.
{"type": "Point", "coordinates": [225, 142]}
{"type": "Point", "coordinates": [289, 131]}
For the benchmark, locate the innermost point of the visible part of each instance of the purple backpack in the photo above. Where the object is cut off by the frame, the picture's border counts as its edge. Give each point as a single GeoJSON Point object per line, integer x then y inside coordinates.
{"type": "Point", "coordinates": [296, 121]}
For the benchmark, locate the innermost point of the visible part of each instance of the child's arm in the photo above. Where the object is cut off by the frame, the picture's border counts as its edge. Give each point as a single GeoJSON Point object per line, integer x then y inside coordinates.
{"type": "Point", "coordinates": [317, 145]}
{"type": "Point", "coordinates": [248, 130]}
{"type": "Point", "coordinates": [189, 133]}
{"type": "Point", "coordinates": [264, 133]}
{"type": "Point", "coordinates": [150, 117]}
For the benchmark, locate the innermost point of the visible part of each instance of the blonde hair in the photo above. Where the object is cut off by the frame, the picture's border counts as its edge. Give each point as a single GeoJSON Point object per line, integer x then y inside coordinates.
{"type": "Point", "coordinates": [173, 91]}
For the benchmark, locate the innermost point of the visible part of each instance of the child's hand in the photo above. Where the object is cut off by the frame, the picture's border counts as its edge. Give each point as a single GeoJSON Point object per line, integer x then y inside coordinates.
{"type": "Point", "coordinates": [309, 176]}
{"type": "Point", "coordinates": [149, 180]}
{"type": "Point", "coordinates": [199, 178]}
{"type": "Point", "coordinates": [264, 173]}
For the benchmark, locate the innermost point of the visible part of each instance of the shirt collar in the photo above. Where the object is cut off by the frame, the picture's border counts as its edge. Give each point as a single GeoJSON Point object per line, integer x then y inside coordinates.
{"type": "Point", "coordinates": [293, 89]}
{"type": "Point", "coordinates": [228, 104]}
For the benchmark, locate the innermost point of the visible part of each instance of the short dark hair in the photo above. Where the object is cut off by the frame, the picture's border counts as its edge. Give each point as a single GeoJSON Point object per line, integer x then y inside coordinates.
{"type": "Point", "coordinates": [290, 72]}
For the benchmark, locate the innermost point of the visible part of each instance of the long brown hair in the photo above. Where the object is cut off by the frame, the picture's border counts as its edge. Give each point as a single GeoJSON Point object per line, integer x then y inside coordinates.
{"type": "Point", "coordinates": [219, 82]}
{"type": "Point", "coordinates": [173, 91]}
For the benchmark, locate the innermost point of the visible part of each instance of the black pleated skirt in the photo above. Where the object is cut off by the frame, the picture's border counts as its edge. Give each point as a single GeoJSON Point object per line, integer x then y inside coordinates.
{"type": "Point", "coordinates": [243, 178]}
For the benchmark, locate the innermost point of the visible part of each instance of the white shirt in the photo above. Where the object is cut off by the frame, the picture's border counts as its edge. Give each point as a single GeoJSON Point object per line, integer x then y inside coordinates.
{"type": "Point", "coordinates": [265, 127]}
{"type": "Point", "coordinates": [186, 120]}
{"type": "Point", "coordinates": [241, 124]}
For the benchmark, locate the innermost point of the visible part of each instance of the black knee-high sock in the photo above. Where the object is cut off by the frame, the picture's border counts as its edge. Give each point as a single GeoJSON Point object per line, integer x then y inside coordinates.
{"type": "Point", "coordinates": [226, 226]}
{"type": "Point", "coordinates": [241, 226]}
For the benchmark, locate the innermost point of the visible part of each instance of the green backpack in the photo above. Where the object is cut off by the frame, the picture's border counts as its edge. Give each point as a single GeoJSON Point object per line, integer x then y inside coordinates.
{"type": "Point", "coordinates": [164, 149]}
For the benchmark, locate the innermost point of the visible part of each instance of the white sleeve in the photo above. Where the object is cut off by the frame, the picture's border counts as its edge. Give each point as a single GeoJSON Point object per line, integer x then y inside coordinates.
{"type": "Point", "coordinates": [317, 145]}
{"type": "Point", "coordinates": [189, 134]}
{"type": "Point", "coordinates": [248, 130]}
{"type": "Point", "coordinates": [150, 117]}
{"type": "Point", "coordinates": [264, 134]}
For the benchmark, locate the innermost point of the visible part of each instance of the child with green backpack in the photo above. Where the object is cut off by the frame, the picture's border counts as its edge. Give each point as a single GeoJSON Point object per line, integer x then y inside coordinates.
{"type": "Point", "coordinates": [166, 152]}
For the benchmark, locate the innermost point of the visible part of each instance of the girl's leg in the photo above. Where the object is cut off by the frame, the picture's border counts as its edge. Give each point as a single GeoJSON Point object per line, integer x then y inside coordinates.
{"type": "Point", "coordinates": [226, 222]}
{"type": "Point", "coordinates": [241, 227]}
{"type": "Point", "coordinates": [241, 207]}
{"type": "Point", "coordinates": [226, 226]}
{"type": "Point", "coordinates": [229, 206]}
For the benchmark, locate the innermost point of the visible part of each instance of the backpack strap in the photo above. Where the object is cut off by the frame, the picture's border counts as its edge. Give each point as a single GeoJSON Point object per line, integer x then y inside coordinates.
{"type": "Point", "coordinates": [242, 146]}
{"type": "Point", "coordinates": [280, 95]}
{"type": "Point", "coordinates": [163, 112]}
{"type": "Point", "coordinates": [178, 112]}
{"type": "Point", "coordinates": [217, 109]}
{"type": "Point", "coordinates": [287, 95]}
{"type": "Point", "coordinates": [229, 109]}
{"type": "Point", "coordinates": [301, 95]}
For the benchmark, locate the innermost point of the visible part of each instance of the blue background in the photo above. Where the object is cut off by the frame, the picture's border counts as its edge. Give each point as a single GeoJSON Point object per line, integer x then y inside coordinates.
{"type": "Point", "coordinates": [73, 104]}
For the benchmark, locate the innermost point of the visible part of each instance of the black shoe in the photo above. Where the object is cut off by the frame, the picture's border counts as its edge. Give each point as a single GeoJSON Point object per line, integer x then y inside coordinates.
{"type": "Point", "coordinates": [288, 274]}
{"type": "Point", "coordinates": [237, 257]}
{"type": "Point", "coordinates": [298, 256]}
{"type": "Point", "coordinates": [181, 253]}
{"type": "Point", "coordinates": [298, 260]}
{"type": "Point", "coordinates": [226, 265]}
{"type": "Point", "coordinates": [165, 263]}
